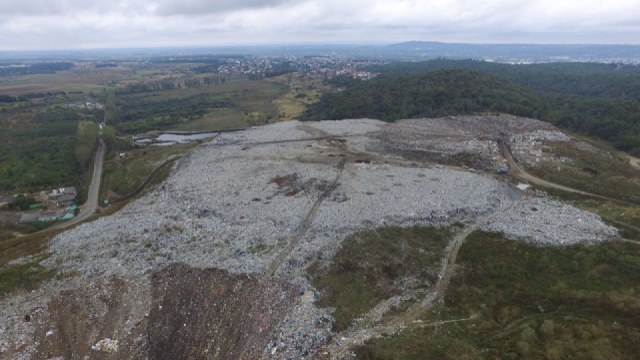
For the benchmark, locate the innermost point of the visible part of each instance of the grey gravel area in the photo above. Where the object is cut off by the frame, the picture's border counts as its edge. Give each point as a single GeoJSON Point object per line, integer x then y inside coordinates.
{"type": "Point", "coordinates": [441, 138]}
{"type": "Point", "coordinates": [238, 202]}
{"type": "Point", "coordinates": [550, 222]}
{"type": "Point", "coordinates": [305, 329]}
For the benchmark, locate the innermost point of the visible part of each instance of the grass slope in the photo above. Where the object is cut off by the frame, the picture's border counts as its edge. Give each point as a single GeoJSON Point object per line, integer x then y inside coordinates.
{"type": "Point", "coordinates": [530, 302]}
{"type": "Point", "coordinates": [374, 265]}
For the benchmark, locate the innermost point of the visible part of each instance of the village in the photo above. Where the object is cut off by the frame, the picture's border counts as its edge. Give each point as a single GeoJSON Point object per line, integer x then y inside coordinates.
{"type": "Point", "coordinates": [47, 206]}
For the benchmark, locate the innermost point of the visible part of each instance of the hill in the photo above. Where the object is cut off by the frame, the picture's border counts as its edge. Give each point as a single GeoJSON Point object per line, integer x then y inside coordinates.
{"type": "Point", "coordinates": [506, 52]}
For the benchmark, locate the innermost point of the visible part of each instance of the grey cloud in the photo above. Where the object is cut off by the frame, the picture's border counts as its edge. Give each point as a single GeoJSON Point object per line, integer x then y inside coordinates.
{"type": "Point", "coordinates": [32, 7]}
{"type": "Point", "coordinates": [56, 7]}
{"type": "Point", "coordinates": [114, 23]}
{"type": "Point", "coordinates": [200, 7]}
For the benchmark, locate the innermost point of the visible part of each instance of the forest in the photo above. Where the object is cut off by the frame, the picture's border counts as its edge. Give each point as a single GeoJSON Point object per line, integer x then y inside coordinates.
{"type": "Point", "coordinates": [601, 100]}
{"type": "Point", "coordinates": [54, 152]}
{"type": "Point", "coordinates": [585, 79]}
{"type": "Point", "coordinates": [138, 114]}
{"type": "Point", "coordinates": [38, 68]}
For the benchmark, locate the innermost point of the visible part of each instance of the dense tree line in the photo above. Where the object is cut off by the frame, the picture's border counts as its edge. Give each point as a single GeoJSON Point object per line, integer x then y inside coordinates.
{"type": "Point", "coordinates": [106, 65]}
{"type": "Point", "coordinates": [39, 68]}
{"type": "Point", "coordinates": [210, 67]}
{"type": "Point", "coordinates": [447, 92]}
{"type": "Point", "coordinates": [195, 59]}
{"type": "Point", "coordinates": [280, 68]}
{"type": "Point", "coordinates": [8, 98]}
{"type": "Point", "coordinates": [43, 156]}
{"type": "Point", "coordinates": [584, 79]}
{"type": "Point", "coordinates": [29, 96]}
{"type": "Point", "coordinates": [595, 99]}
{"type": "Point", "coordinates": [137, 113]}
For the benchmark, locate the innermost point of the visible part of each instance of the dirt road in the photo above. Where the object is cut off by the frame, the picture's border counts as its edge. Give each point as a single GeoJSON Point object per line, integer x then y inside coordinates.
{"type": "Point", "coordinates": [341, 346]}
{"type": "Point", "coordinates": [93, 195]}
{"type": "Point", "coordinates": [634, 161]}
{"type": "Point", "coordinates": [519, 173]}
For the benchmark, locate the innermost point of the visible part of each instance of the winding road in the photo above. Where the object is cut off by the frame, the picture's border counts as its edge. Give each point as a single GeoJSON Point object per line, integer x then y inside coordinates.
{"type": "Point", "coordinates": [516, 171]}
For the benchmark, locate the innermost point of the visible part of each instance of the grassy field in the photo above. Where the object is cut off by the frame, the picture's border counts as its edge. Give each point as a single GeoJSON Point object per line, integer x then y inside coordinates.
{"type": "Point", "coordinates": [303, 90]}
{"type": "Point", "coordinates": [516, 300]}
{"type": "Point", "coordinates": [73, 80]}
{"type": "Point", "coordinates": [600, 170]}
{"type": "Point", "coordinates": [603, 172]}
{"type": "Point", "coordinates": [375, 265]}
{"type": "Point", "coordinates": [86, 143]}
{"type": "Point", "coordinates": [123, 176]}
{"type": "Point", "coordinates": [25, 276]}
{"type": "Point", "coordinates": [41, 155]}
{"type": "Point", "coordinates": [229, 105]}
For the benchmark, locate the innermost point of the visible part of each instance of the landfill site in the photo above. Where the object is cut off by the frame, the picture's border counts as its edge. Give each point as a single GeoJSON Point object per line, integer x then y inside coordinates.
{"type": "Point", "coordinates": [212, 263]}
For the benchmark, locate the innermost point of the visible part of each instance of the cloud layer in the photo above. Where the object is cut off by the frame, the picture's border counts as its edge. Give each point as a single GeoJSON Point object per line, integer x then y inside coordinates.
{"type": "Point", "coordinates": [50, 24]}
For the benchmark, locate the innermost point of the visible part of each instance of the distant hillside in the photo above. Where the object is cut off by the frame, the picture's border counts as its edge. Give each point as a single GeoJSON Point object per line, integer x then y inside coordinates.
{"type": "Point", "coordinates": [441, 93]}
{"type": "Point", "coordinates": [509, 52]}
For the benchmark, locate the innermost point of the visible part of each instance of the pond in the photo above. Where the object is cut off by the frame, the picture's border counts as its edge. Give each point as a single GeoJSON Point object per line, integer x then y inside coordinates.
{"type": "Point", "coordinates": [184, 138]}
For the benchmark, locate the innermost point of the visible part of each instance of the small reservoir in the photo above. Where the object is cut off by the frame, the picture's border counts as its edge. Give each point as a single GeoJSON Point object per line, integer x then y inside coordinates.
{"type": "Point", "coordinates": [183, 138]}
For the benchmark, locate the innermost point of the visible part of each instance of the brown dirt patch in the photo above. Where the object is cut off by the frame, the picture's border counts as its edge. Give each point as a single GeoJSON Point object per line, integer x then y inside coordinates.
{"type": "Point", "coordinates": [209, 314]}
{"type": "Point", "coordinates": [78, 319]}
{"type": "Point", "coordinates": [179, 313]}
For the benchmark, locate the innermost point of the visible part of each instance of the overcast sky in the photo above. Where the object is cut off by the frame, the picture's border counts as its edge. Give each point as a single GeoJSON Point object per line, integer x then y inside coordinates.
{"type": "Point", "coordinates": [67, 24]}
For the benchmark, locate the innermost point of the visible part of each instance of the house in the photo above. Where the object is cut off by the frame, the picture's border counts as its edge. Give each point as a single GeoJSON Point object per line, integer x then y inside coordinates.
{"type": "Point", "coordinates": [29, 217]}
{"type": "Point", "coordinates": [65, 200]}
{"type": "Point", "coordinates": [71, 190]}
{"type": "Point", "coordinates": [47, 216]}
{"type": "Point", "coordinates": [65, 217]}
{"type": "Point", "coordinates": [64, 196]}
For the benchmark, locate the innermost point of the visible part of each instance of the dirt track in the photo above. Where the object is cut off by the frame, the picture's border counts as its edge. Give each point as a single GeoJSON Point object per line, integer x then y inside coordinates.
{"type": "Point", "coordinates": [342, 345]}
{"type": "Point", "coordinates": [634, 161]}
{"type": "Point", "coordinates": [518, 172]}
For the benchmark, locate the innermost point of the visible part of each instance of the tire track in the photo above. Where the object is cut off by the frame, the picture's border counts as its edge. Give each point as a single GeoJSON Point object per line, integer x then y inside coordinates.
{"type": "Point", "coordinates": [304, 226]}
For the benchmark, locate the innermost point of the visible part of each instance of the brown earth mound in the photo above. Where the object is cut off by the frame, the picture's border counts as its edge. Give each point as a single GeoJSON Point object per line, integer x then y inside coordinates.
{"type": "Point", "coordinates": [185, 313]}
{"type": "Point", "coordinates": [208, 314]}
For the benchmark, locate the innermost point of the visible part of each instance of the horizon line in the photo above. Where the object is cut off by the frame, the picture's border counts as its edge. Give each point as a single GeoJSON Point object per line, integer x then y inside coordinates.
{"type": "Point", "coordinates": [297, 44]}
